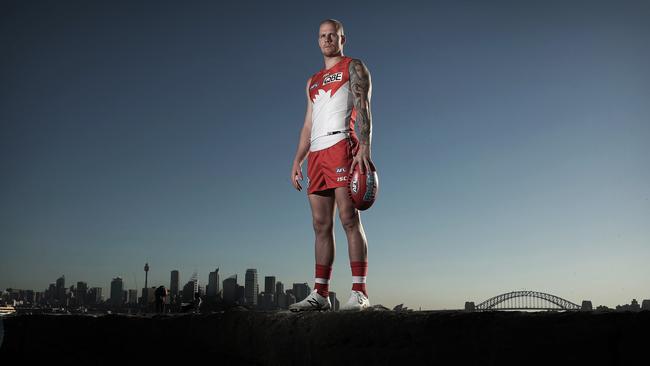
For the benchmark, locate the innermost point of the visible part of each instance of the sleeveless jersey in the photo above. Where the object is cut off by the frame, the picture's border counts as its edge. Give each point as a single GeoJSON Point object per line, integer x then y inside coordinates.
{"type": "Point", "coordinates": [333, 109]}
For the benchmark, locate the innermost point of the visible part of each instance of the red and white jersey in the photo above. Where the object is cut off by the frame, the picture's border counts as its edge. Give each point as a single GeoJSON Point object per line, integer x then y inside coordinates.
{"type": "Point", "coordinates": [333, 108]}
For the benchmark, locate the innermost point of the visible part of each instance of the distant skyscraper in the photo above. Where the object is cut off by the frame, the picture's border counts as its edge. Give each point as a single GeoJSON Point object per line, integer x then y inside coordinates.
{"type": "Point", "coordinates": [30, 296]}
{"type": "Point", "coordinates": [60, 282]}
{"type": "Point", "coordinates": [267, 300]}
{"type": "Point", "coordinates": [133, 296]}
{"type": "Point", "coordinates": [281, 300]}
{"type": "Point", "coordinates": [117, 288]}
{"type": "Point", "coordinates": [60, 290]}
{"type": "Point", "coordinates": [51, 294]}
{"type": "Point", "coordinates": [94, 295]}
{"type": "Point", "coordinates": [148, 296]}
{"type": "Point", "coordinates": [195, 279]}
{"type": "Point", "coordinates": [173, 285]}
{"type": "Point", "coordinates": [213, 284]}
{"type": "Point", "coordinates": [81, 293]}
{"type": "Point", "coordinates": [251, 287]}
{"type": "Point", "coordinates": [269, 284]}
{"type": "Point", "coordinates": [230, 289]}
{"type": "Point", "coordinates": [289, 297]}
{"type": "Point", "coordinates": [301, 291]}
{"type": "Point", "coordinates": [279, 293]}
{"type": "Point", "coordinates": [241, 295]}
{"type": "Point", "coordinates": [190, 288]}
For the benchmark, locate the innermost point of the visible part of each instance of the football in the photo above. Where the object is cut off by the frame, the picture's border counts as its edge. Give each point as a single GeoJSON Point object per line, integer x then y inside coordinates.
{"type": "Point", "coordinates": [362, 188]}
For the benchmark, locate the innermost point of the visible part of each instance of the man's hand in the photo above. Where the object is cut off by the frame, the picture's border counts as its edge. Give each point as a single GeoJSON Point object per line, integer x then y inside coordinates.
{"type": "Point", "coordinates": [296, 175]}
{"type": "Point", "coordinates": [362, 159]}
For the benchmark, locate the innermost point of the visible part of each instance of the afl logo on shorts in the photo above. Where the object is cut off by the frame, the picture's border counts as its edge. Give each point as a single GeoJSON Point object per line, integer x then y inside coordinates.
{"type": "Point", "coordinates": [332, 78]}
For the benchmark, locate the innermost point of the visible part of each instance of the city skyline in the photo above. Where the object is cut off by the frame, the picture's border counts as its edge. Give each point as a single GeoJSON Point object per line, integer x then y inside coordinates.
{"type": "Point", "coordinates": [175, 284]}
{"type": "Point", "coordinates": [175, 278]}
{"type": "Point", "coordinates": [511, 141]}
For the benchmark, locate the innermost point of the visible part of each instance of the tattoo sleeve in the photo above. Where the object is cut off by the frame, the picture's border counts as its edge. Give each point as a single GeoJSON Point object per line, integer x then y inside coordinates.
{"type": "Point", "coordinates": [361, 88]}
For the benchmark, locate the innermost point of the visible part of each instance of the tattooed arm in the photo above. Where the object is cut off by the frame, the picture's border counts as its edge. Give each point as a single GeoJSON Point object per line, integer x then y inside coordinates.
{"type": "Point", "coordinates": [361, 88]}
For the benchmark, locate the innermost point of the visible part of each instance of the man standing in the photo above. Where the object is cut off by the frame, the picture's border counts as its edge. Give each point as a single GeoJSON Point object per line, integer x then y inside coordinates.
{"type": "Point", "coordinates": [338, 97]}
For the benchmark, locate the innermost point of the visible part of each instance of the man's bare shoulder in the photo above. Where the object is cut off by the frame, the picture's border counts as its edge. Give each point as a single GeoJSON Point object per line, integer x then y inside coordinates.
{"type": "Point", "coordinates": [356, 64]}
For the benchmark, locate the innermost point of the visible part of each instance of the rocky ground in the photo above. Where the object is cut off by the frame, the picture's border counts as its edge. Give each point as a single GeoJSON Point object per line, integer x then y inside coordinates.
{"type": "Point", "coordinates": [338, 338]}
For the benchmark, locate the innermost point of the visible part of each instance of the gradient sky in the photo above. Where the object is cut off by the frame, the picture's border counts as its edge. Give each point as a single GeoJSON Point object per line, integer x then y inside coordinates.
{"type": "Point", "coordinates": [512, 141]}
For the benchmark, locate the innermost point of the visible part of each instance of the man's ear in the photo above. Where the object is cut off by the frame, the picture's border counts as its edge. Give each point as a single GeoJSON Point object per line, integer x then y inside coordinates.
{"type": "Point", "coordinates": [343, 39]}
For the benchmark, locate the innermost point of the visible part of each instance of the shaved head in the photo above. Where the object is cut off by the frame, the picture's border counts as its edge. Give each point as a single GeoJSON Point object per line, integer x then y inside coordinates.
{"type": "Point", "coordinates": [338, 25]}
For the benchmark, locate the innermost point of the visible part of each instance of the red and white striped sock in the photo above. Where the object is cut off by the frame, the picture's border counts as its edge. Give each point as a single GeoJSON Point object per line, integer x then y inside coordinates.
{"type": "Point", "coordinates": [322, 280]}
{"type": "Point", "coordinates": [359, 272]}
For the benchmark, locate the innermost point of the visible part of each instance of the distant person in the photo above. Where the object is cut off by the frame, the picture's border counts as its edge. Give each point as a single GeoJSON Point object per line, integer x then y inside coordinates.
{"type": "Point", "coordinates": [160, 295]}
{"type": "Point", "coordinates": [338, 97]}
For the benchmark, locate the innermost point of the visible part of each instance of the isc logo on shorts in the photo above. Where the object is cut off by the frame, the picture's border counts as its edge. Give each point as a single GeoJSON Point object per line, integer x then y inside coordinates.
{"type": "Point", "coordinates": [342, 179]}
{"type": "Point", "coordinates": [332, 78]}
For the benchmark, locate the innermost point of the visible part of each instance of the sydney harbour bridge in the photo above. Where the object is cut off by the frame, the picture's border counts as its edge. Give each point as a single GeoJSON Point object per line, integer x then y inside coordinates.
{"type": "Point", "coordinates": [527, 300]}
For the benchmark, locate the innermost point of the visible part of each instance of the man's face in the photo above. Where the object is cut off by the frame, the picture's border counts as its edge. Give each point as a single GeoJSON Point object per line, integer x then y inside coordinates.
{"type": "Point", "coordinates": [329, 40]}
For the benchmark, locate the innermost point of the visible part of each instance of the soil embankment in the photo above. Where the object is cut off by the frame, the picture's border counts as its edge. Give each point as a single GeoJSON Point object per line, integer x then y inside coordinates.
{"type": "Point", "coordinates": [336, 338]}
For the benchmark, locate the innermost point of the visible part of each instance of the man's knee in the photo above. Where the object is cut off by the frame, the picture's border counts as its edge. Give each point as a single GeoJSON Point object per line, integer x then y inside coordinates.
{"type": "Point", "coordinates": [350, 220]}
{"type": "Point", "coordinates": [323, 226]}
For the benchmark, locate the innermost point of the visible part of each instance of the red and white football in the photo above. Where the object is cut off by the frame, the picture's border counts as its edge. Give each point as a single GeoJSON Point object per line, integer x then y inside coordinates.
{"type": "Point", "coordinates": [362, 188]}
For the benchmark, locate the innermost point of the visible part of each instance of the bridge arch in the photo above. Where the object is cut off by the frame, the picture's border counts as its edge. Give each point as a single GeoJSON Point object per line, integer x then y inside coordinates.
{"type": "Point", "coordinates": [526, 300]}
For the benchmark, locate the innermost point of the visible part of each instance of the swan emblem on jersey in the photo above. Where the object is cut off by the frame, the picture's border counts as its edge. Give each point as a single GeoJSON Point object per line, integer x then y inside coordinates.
{"type": "Point", "coordinates": [322, 95]}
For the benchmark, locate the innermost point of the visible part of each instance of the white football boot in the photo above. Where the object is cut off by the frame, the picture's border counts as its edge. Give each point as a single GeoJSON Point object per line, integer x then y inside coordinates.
{"type": "Point", "coordinates": [313, 301]}
{"type": "Point", "coordinates": [358, 301]}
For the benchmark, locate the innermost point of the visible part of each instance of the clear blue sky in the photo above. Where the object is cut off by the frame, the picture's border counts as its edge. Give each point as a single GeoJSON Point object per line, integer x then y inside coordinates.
{"type": "Point", "coordinates": [512, 141]}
